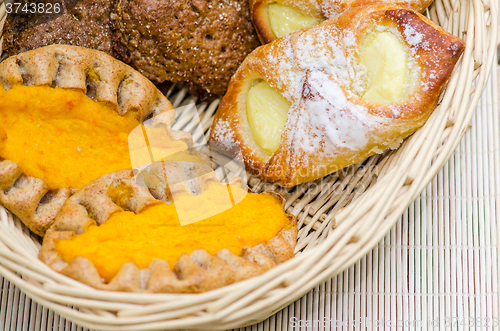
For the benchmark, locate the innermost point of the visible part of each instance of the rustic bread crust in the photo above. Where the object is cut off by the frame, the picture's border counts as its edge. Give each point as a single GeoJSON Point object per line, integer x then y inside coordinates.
{"type": "Point", "coordinates": [280, 64]}
{"type": "Point", "coordinates": [197, 43]}
{"type": "Point", "coordinates": [100, 77]}
{"type": "Point", "coordinates": [84, 23]}
{"type": "Point", "coordinates": [322, 9]}
{"type": "Point", "coordinates": [197, 272]}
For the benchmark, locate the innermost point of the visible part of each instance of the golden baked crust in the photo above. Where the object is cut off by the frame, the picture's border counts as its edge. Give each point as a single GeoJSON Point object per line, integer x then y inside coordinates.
{"type": "Point", "coordinates": [101, 78]}
{"type": "Point", "coordinates": [291, 66]}
{"type": "Point", "coordinates": [323, 9]}
{"type": "Point", "coordinates": [197, 272]}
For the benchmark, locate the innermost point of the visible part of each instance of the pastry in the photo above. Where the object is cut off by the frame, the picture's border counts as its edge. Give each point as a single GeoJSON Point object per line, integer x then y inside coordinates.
{"type": "Point", "coordinates": [275, 19]}
{"type": "Point", "coordinates": [200, 43]}
{"type": "Point", "coordinates": [59, 104]}
{"type": "Point", "coordinates": [320, 99]}
{"type": "Point", "coordinates": [115, 235]}
{"type": "Point", "coordinates": [84, 23]}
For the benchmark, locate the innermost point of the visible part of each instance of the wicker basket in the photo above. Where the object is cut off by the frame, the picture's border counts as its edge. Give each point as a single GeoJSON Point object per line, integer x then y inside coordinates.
{"type": "Point", "coordinates": [341, 216]}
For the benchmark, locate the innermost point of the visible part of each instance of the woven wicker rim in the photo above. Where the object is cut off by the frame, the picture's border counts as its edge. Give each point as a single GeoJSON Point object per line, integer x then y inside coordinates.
{"type": "Point", "coordinates": [342, 216]}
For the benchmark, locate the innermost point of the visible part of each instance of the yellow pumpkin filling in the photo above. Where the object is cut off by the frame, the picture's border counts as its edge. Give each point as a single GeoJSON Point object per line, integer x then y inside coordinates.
{"type": "Point", "coordinates": [156, 232]}
{"type": "Point", "coordinates": [62, 136]}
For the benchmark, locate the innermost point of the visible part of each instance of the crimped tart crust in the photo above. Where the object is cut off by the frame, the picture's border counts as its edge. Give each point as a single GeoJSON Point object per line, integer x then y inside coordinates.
{"type": "Point", "coordinates": [101, 78]}
{"type": "Point", "coordinates": [197, 272]}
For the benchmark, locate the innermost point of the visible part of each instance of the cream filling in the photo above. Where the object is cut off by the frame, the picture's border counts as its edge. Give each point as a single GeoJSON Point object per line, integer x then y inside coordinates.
{"type": "Point", "coordinates": [285, 19]}
{"type": "Point", "coordinates": [386, 60]}
{"type": "Point", "coordinates": [267, 113]}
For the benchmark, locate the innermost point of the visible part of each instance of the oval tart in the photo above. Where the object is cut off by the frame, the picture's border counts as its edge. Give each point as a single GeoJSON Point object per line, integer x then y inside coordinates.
{"type": "Point", "coordinates": [65, 116]}
{"type": "Point", "coordinates": [115, 235]}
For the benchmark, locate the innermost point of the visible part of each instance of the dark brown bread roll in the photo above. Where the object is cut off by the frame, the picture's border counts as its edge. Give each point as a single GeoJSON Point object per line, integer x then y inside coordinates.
{"type": "Point", "coordinates": [200, 43]}
{"type": "Point", "coordinates": [84, 23]}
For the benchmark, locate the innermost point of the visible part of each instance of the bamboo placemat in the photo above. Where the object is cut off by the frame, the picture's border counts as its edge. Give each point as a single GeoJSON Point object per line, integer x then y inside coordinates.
{"type": "Point", "coordinates": [437, 269]}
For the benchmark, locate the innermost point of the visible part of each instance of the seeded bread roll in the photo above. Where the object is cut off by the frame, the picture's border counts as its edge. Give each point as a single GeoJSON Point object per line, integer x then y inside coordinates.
{"type": "Point", "coordinates": [199, 43]}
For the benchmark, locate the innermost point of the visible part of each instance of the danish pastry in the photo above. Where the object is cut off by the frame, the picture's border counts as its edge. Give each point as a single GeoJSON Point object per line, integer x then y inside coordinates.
{"type": "Point", "coordinates": [59, 104]}
{"type": "Point", "coordinates": [275, 19]}
{"type": "Point", "coordinates": [140, 245]}
{"type": "Point", "coordinates": [322, 98]}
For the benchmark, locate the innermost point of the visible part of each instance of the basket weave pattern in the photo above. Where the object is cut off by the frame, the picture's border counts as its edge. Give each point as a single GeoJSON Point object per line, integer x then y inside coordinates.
{"type": "Point", "coordinates": [341, 217]}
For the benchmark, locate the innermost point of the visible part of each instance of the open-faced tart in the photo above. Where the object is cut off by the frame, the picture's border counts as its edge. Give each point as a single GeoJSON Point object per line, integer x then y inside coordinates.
{"type": "Point", "coordinates": [114, 235]}
{"type": "Point", "coordinates": [65, 116]}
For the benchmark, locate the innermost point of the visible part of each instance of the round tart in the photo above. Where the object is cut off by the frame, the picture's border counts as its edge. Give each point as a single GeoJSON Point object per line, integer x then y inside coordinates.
{"type": "Point", "coordinates": [115, 235]}
{"type": "Point", "coordinates": [65, 116]}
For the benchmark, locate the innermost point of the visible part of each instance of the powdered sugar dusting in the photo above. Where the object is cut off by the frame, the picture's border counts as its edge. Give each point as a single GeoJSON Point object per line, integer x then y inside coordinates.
{"type": "Point", "coordinates": [336, 58]}
{"type": "Point", "coordinates": [321, 72]}
{"type": "Point", "coordinates": [288, 76]}
{"type": "Point", "coordinates": [326, 120]}
{"type": "Point", "coordinates": [331, 8]}
{"type": "Point", "coordinates": [223, 131]}
{"type": "Point", "coordinates": [293, 58]}
{"type": "Point", "coordinates": [412, 36]}
{"type": "Point", "coordinates": [343, 123]}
